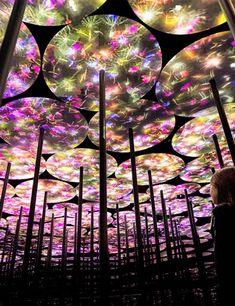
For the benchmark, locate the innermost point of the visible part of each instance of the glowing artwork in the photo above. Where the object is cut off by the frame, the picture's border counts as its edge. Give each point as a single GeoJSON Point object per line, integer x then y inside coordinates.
{"type": "Point", "coordinates": [26, 59]}
{"type": "Point", "coordinates": [127, 51]}
{"type": "Point", "coordinates": [12, 206]}
{"type": "Point", "coordinates": [163, 166]}
{"type": "Point", "coordinates": [195, 137]}
{"type": "Point", "coordinates": [200, 169]}
{"type": "Point", "coordinates": [205, 189]}
{"type": "Point", "coordinates": [65, 127]}
{"type": "Point", "coordinates": [202, 207]}
{"type": "Point", "coordinates": [12, 222]}
{"type": "Point", "coordinates": [57, 191]}
{"type": "Point", "coordinates": [65, 165]}
{"type": "Point", "coordinates": [51, 12]}
{"type": "Point", "coordinates": [22, 162]}
{"type": "Point", "coordinates": [10, 191]}
{"type": "Point", "coordinates": [151, 124]}
{"type": "Point", "coordinates": [179, 17]}
{"type": "Point", "coordinates": [184, 86]}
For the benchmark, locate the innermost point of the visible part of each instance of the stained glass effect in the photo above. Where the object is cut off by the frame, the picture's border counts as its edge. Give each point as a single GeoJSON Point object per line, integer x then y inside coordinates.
{"type": "Point", "coordinates": [65, 165]}
{"type": "Point", "coordinates": [184, 82]}
{"type": "Point", "coordinates": [179, 17]}
{"type": "Point", "coordinates": [125, 49]}
{"type": "Point", "coordinates": [65, 127]}
{"type": "Point", "coordinates": [164, 167]}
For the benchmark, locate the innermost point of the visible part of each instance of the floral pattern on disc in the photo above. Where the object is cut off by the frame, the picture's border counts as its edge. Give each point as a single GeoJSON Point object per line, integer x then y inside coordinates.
{"type": "Point", "coordinates": [65, 127]}
{"type": "Point", "coordinates": [205, 189]}
{"type": "Point", "coordinates": [184, 85]}
{"type": "Point", "coordinates": [65, 165]}
{"type": "Point", "coordinates": [12, 206]}
{"type": "Point", "coordinates": [26, 59]}
{"type": "Point", "coordinates": [195, 137]}
{"type": "Point", "coordinates": [51, 12]}
{"type": "Point", "coordinates": [200, 170]}
{"type": "Point", "coordinates": [22, 162]}
{"type": "Point", "coordinates": [57, 191]}
{"type": "Point", "coordinates": [163, 166]}
{"type": "Point", "coordinates": [10, 191]}
{"type": "Point", "coordinates": [126, 50]}
{"type": "Point", "coordinates": [179, 17]}
{"type": "Point", "coordinates": [151, 124]}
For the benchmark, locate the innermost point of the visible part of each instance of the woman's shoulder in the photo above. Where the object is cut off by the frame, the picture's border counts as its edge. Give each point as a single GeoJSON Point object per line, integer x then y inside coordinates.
{"type": "Point", "coordinates": [223, 209]}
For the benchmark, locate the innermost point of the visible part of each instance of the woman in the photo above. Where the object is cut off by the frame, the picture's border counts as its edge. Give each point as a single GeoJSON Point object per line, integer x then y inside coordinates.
{"type": "Point", "coordinates": [223, 229]}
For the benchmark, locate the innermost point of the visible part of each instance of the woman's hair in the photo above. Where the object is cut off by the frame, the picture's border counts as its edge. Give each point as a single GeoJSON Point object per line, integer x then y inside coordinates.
{"type": "Point", "coordinates": [224, 181]}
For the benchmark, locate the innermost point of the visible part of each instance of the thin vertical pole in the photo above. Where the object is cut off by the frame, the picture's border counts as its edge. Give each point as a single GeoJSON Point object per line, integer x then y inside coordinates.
{"type": "Point", "coordinates": [118, 236]}
{"type": "Point", "coordinates": [33, 203]}
{"type": "Point", "coordinates": [104, 255]}
{"type": "Point", "coordinates": [79, 225]}
{"type": "Point", "coordinates": [4, 188]}
{"type": "Point", "coordinates": [147, 235]}
{"type": "Point", "coordinates": [229, 12]}
{"type": "Point", "coordinates": [127, 243]}
{"type": "Point", "coordinates": [9, 42]}
{"type": "Point", "coordinates": [4, 247]}
{"type": "Point", "coordinates": [75, 252]}
{"type": "Point", "coordinates": [64, 249]}
{"type": "Point", "coordinates": [136, 200]}
{"type": "Point", "coordinates": [218, 151]}
{"type": "Point", "coordinates": [172, 233]}
{"type": "Point", "coordinates": [50, 246]}
{"type": "Point", "coordinates": [223, 119]}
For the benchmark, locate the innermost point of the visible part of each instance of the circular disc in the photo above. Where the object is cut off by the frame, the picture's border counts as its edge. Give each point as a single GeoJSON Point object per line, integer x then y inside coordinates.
{"type": "Point", "coordinates": [151, 124]}
{"type": "Point", "coordinates": [65, 127]}
{"type": "Point", "coordinates": [195, 137]}
{"type": "Point", "coordinates": [65, 165]}
{"type": "Point", "coordinates": [22, 162]}
{"type": "Point", "coordinates": [184, 85]}
{"type": "Point", "coordinates": [10, 191]}
{"type": "Point", "coordinates": [25, 65]}
{"type": "Point", "coordinates": [57, 191]}
{"type": "Point", "coordinates": [51, 12]}
{"type": "Point", "coordinates": [127, 51]}
{"type": "Point", "coordinates": [163, 166]}
{"type": "Point", "coordinates": [178, 16]}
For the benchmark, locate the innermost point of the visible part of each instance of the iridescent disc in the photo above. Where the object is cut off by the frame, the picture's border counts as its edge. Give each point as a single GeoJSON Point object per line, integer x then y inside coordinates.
{"type": "Point", "coordinates": [65, 165]}
{"type": "Point", "coordinates": [203, 207]}
{"type": "Point", "coordinates": [195, 137]}
{"type": "Point", "coordinates": [200, 169]}
{"type": "Point", "coordinates": [22, 162]}
{"type": "Point", "coordinates": [12, 206]}
{"type": "Point", "coordinates": [127, 51]}
{"type": "Point", "coordinates": [163, 166]}
{"type": "Point", "coordinates": [205, 189]}
{"type": "Point", "coordinates": [150, 122]}
{"type": "Point", "coordinates": [178, 16]}
{"type": "Point", "coordinates": [184, 86]}
{"type": "Point", "coordinates": [26, 59]}
{"type": "Point", "coordinates": [65, 127]}
{"type": "Point", "coordinates": [51, 12]}
{"type": "Point", "coordinates": [10, 191]}
{"type": "Point", "coordinates": [57, 191]}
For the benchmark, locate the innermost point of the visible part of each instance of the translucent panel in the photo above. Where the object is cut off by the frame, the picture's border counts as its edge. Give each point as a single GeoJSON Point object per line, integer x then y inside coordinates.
{"type": "Point", "coordinates": [65, 165]}
{"type": "Point", "coordinates": [65, 127]}
{"type": "Point", "coordinates": [125, 49]}
{"type": "Point", "coordinates": [205, 189]}
{"type": "Point", "coordinates": [12, 206]}
{"type": "Point", "coordinates": [22, 162]}
{"type": "Point", "coordinates": [163, 166]}
{"type": "Point", "coordinates": [26, 59]}
{"type": "Point", "coordinates": [57, 191]}
{"type": "Point", "coordinates": [10, 191]}
{"type": "Point", "coordinates": [151, 124]}
{"type": "Point", "coordinates": [200, 169]}
{"type": "Point", "coordinates": [178, 16]}
{"type": "Point", "coordinates": [51, 12]}
{"type": "Point", "coordinates": [184, 82]}
{"type": "Point", "coordinates": [195, 137]}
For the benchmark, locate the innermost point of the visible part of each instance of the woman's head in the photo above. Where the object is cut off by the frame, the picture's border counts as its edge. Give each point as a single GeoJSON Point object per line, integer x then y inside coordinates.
{"type": "Point", "coordinates": [223, 186]}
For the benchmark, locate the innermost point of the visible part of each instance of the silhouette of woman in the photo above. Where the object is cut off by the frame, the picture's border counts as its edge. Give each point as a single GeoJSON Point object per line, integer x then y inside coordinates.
{"type": "Point", "coordinates": [223, 230]}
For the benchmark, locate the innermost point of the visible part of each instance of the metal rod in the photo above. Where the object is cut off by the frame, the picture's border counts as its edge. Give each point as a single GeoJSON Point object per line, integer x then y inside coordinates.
{"type": "Point", "coordinates": [136, 200]}
{"type": "Point", "coordinates": [172, 233]}
{"type": "Point", "coordinates": [9, 42]}
{"type": "Point", "coordinates": [4, 188]}
{"type": "Point", "coordinates": [64, 249]}
{"type": "Point", "coordinates": [33, 203]}
{"type": "Point", "coordinates": [79, 225]}
{"type": "Point", "coordinates": [147, 235]}
{"type": "Point", "coordinates": [229, 12]}
{"type": "Point", "coordinates": [118, 236]}
{"type": "Point", "coordinates": [50, 246]}
{"type": "Point", "coordinates": [218, 151]}
{"type": "Point", "coordinates": [223, 119]}
{"type": "Point", "coordinates": [4, 247]}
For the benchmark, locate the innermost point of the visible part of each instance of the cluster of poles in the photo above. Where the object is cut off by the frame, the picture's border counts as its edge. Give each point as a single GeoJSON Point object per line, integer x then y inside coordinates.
{"type": "Point", "coordinates": [140, 272]}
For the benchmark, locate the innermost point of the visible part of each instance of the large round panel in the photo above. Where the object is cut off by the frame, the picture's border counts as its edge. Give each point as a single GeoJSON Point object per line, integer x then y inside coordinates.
{"type": "Point", "coordinates": [22, 162]}
{"type": "Point", "coordinates": [51, 12]}
{"type": "Point", "coordinates": [125, 49]}
{"type": "Point", "coordinates": [178, 16]}
{"type": "Point", "coordinates": [163, 166]}
{"type": "Point", "coordinates": [66, 165]}
{"type": "Point", "coordinates": [150, 122]}
{"type": "Point", "coordinates": [65, 127]}
{"type": "Point", "coordinates": [184, 86]}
